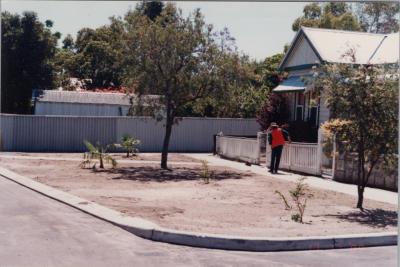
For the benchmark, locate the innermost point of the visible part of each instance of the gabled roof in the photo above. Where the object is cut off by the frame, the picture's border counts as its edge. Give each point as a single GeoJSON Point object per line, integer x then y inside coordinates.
{"type": "Point", "coordinates": [330, 46]}
{"type": "Point", "coordinates": [85, 97]}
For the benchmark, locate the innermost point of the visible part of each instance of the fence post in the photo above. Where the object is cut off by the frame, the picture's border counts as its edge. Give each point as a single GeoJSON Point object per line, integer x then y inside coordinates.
{"type": "Point", "coordinates": [290, 147]}
{"type": "Point", "coordinates": [319, 152]}
{"type": "Point", "coordinates": [259, 138]}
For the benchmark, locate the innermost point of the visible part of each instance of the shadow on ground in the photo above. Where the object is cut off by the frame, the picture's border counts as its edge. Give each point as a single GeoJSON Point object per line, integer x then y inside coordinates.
{"type": "Point", "coordinates": [377, 218]}
{"type": "Point", "coordinates": [156, 174]}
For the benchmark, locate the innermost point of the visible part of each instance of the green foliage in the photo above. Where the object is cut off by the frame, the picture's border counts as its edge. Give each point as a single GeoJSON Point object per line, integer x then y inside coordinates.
{"type": "Point", "coordinates": [97, 152]}
{"type": "Point", "coordinates": [27, 46]}
{"type": "Point", "coordinates": [363, 103]}
{"type": "Point", "coordinates": [242, 95]}
{"type": "Point", "coordinates": [379, 17]}
{"type": "Point", "coordinates": [130, 143]}
{"type": "Point", "coordinates": [205, 173]}
{"type": "Point", "coordinates": [180, 59]}
{"type": "Point", "coordinates": [150, 9]}
{"type": "Point", "coordinates": [332, 15]}
{"type": "Point", "coordinates": [275, 109]}
{"type": "Point", "coordinates": [299, 196]}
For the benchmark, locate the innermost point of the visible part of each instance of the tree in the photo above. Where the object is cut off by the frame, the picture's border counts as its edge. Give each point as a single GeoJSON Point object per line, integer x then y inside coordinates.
{"type": "Point", "coordinates": [275, 109]}
{"type": "Point", "coordinates": [151, 9]}
{"type": "Point", "coordinates": [333, 15]}
{"type": "Point", "coordinates": [180, 59]}
{"type": "Point", "coordinates": [379, 17]}
{"type": "Point", "coordinates": [364, 113]}
{"type": "Point", "coordinates": [99, 54]}
{"type": "Point", "coordinates": [243, 91]}
{"type": "Point", "coordinates": [27, 46]}
{"type": "Point", "coordinates": [68, 42]}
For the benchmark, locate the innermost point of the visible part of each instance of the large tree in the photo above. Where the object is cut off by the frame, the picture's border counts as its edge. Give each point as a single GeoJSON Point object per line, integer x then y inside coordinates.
{"type": "Point", "coordinates": [243, 93]}
{"type": "Point", "coordinates": [180, 59]}
{"type": "Point", "coordinates": [363, 103]}
{"type": "Point", "coordinates": [379, 17]}
{"type": "Point", "coordinates": [27, 47]}
{"type": "Point", "coordinates": [333, 15]}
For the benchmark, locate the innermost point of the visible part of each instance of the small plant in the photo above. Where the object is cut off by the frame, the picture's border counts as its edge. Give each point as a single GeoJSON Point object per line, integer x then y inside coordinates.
{"type": "Point", "coordinates": [97, 152]}
{"type": "Point", "coordinates": [205, 173]}
{"type": "Point", "coordinates": [130, 143]}
{"type": "Point", "coordinates": [299, 195]}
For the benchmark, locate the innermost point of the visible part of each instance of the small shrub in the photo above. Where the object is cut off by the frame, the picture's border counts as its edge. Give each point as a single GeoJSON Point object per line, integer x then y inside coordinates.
{"type": "Point", "coordinates": [205, 173]}
{"type": "Point", "coordinates": [97, 152]}
{"type": "Point", "coordinates": [130, 143]}
{"type": "Point", "coordinates": [299, 195]}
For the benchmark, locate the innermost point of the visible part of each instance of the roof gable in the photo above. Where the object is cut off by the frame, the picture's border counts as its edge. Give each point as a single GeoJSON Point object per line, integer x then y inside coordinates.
{"type": "Point", "coordinates": [331, 45]}
{"type": "Point", "coordinates": [302, 53]}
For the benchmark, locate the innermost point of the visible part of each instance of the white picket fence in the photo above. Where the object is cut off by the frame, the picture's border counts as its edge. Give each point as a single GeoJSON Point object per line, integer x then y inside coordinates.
{"type": "Point", "coordinates": [301, 157]}
{"type": "Point", "coordinates": [238, 148]}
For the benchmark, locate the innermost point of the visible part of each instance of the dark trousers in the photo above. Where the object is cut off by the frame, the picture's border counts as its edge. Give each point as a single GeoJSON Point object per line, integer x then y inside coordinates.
{"type": "Point", "coordinates": [275, 158]}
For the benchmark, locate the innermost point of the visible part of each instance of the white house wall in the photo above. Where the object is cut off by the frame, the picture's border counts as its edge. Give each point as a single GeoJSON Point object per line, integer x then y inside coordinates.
{"type": "Point", "coordinates": [301, 54]}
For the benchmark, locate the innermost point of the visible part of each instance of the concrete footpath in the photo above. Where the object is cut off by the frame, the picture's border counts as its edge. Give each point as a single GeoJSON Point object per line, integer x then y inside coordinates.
{"type": "Point", "coordinates": [317, 182]}
{"type": "Point", "coordinates": [152, 231]}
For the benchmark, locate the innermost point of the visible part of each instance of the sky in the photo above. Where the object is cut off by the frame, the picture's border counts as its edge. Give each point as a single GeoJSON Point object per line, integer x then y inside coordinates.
{"type": "Point", "coordinates": [261, 29]}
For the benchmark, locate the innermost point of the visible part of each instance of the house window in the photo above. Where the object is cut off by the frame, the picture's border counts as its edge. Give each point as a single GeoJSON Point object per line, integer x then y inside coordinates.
{"type": "Point", "coordinates": [300, 106]}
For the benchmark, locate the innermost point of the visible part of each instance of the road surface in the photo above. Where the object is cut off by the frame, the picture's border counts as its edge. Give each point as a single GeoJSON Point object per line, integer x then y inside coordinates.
{"type": "Point", "coordinates": [39, 231]}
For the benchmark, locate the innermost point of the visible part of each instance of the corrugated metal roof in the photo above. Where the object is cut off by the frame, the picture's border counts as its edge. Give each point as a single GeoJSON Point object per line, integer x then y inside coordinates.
{"type": "Point", "coordinates": [388, 51]}
{"type": "Point", "coordinates": [85, 97]}
{"type": "Point", "coordinates": [291, 84]}
{"type": "Point", "coordinates": [330, 46]}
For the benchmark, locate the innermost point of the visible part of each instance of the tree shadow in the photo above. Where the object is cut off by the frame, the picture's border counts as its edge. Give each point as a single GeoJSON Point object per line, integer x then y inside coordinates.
{"type": "Point", "coordinates": [377, 218]}
{"type": "Point", "coordinates": [156, 174]}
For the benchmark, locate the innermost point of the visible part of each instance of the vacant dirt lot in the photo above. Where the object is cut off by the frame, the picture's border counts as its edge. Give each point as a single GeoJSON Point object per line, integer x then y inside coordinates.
{"type": "Point", "coordinates": [232, 203]}
{"type": "Point", "coordinates": [118, 156]}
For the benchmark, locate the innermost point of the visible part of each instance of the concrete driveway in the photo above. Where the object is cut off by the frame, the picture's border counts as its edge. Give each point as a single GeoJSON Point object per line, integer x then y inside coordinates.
{"type": "Point", "coordinates": [38, 231]}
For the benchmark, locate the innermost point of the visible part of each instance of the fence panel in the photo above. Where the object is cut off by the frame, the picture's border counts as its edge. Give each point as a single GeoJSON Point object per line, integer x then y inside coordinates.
{"type": "Point", "coordinates": [301, 157]}
{"type": "Point", "coordinates": [66, 133]}
{"type": "Point", "coordinates": [243, 149]}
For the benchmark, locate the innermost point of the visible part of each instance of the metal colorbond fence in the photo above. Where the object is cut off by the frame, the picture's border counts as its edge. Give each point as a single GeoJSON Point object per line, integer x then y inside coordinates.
{"type": "Point", "coordinates": [31, 133]}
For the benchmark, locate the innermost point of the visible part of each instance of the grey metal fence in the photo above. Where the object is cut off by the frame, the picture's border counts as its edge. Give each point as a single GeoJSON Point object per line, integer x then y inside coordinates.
{"type": "Point", "coordinates": [66, 133]}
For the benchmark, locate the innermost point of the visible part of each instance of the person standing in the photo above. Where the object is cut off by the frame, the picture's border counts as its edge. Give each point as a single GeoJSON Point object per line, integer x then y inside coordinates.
{"type": "Point", "coordinates": [276, 138]}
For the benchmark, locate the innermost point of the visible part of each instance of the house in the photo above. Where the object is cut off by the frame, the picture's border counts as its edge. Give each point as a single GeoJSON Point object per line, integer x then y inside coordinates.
{"type": "Point", "coordinates": [85, 103]}
{"type": "Point", "coordinates": [313, 47]}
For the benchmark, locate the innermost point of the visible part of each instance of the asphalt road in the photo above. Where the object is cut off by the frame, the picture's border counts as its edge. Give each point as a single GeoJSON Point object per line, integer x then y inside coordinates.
{"type": "Point", "coordinates": [38, 231]}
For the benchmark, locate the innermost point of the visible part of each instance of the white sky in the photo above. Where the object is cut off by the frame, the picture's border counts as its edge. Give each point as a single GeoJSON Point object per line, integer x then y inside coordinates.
{"type": "Point", "coordinates": [261, 29]}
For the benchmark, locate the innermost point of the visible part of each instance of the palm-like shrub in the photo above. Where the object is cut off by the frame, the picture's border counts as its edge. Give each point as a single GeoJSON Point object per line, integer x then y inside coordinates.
{"type": "Point", "coordinates": [130, 143]}
{"type": "Point", "coordinates": [97, 152]}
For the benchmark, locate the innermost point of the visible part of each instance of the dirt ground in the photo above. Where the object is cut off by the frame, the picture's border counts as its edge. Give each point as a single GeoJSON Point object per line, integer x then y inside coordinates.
{"type": "Point", "coordinates": [233, 203]}
{"type": "Point", "coordinates": [172, 157]}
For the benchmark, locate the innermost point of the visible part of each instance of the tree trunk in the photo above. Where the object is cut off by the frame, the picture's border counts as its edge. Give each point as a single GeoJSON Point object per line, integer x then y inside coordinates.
{"type": "Point", "coordinates": [164, 154]}
{"type": "Point", "coordinates": [101, 162]}
{"type": "Point", "coordinates": [167, 136]}
{"type": "Point", "coordinates": [360, 198]}
{"type": "Point", "coordinates": [127, 153]}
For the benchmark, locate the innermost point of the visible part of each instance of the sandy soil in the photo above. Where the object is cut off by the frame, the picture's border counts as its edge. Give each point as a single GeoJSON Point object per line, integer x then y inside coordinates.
{"type": "Point", "coordinates": [232, 203]}
{"type": "Point", "coordinates": [175, 157]}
